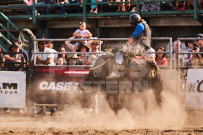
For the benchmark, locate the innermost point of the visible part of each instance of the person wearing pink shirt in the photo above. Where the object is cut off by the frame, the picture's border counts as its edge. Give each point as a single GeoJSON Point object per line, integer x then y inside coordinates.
{"type": "Point", "coordinates": [161, 57]}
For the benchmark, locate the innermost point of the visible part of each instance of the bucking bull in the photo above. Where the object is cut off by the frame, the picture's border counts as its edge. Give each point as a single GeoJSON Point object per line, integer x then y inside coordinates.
{"type": "Point", "coordinates": [138, 74]}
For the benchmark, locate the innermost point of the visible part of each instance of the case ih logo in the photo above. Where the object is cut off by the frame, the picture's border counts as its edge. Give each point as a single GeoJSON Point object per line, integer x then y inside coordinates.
{"type": "Point", "coordinates": [9, 88]}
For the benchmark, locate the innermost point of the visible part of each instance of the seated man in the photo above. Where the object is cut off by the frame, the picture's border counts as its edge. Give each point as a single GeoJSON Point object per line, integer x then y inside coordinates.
{"type": "Point", "coordinates": [74, 60]}
{"type": "Point", "coordinates": [16, 60]}
{"type": "Point", "coordinates": [93, 46]}
{"type": "Point", "coordinates": [43, 59]}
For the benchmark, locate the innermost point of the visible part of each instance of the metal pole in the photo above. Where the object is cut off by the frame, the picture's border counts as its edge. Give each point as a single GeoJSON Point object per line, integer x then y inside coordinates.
{"type": "Point", "coordinates": [178, 53]}
{"type": "Point", "coordinates": [84, 11]}
{"type": "Point", "coordinates": [171, 53]}
{"type": "Point", "coordinates": [35, 43]}
{"type": "Point", "coordinates": [195, 10]}
{"type": "Point", "coordinates": [34, 11]}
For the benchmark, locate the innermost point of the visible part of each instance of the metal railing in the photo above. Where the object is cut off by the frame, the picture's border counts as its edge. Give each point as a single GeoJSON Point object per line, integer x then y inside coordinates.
{"type": "Point", "coordinates": [182, 69]}
{"type": "Point", "coordinates": [85, 13]}
{"type": "Point", "coordinates": [169, 39]}
{"type": "Point", "coordinates": [9, 34]}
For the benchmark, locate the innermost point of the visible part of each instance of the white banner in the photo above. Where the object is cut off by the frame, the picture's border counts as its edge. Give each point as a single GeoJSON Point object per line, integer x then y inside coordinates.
{"type": "Point", "coordinates": [12, 89]}
{"type": "Point", "coordinates": [194, 89]}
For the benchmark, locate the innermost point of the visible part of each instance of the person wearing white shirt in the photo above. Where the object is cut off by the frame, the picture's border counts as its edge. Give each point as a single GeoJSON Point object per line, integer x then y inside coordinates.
{"type": "Point", "coordinates": [43, 59]}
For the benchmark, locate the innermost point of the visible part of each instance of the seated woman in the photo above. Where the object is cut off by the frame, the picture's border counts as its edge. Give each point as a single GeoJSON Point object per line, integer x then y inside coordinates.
{"type": "Point", "coordinates": [82, 57]}
{"type": "Point", "coordinates": [161, 57]}
{"type": "Point", "coordinates": [73, 60]}
{"type": "Point", "coordinates": [64, 55]}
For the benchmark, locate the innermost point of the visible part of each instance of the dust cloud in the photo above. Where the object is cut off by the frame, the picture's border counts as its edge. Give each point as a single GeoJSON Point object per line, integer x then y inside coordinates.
{"type": "Point", "coordinates": [171, 115]}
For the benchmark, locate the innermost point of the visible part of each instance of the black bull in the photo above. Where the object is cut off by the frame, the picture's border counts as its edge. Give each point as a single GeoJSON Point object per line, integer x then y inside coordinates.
{"type": "Point", "coordinates": [135, 78]}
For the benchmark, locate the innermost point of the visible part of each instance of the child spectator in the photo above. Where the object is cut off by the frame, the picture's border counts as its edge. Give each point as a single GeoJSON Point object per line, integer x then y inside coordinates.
{"type": "Point", "coordinates": [161, 57]}
{"type": "Point", "coordinates": [82, 32]}
{"type": "Point", "coordinates": [59, 61]}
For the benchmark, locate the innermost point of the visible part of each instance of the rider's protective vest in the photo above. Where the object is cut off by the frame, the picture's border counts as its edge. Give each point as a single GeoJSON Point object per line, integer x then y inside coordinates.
{"type": "Point", "coordinates": [145, 36]}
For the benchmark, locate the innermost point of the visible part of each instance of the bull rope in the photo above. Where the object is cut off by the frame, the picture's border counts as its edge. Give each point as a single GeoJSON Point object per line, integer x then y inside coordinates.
{"type": "Point", "coordinates": [101, 64]}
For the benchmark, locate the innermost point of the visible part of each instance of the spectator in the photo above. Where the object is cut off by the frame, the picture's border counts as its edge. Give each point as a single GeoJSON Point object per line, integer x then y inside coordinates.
{"type": "Point", "coordinates": [175, 53]}
{"type": "Point", "coordinates": [43, 59]}
{"type": "Point", "coordinates": [2, 59]}
{"type": "Point", "coordinates": [82, 57]}
{"type": "Point", "coordinates": [191, 3]}
{"type": "Point", "coordinates": [20, 45]}
{"type": "Point", "coordinates": [16, 61]}
{"type": "Point", "coordinates": [45, 9]}
{"type": "Point", "coordinates": [161, 57]}
{"type": "Point", "coordinates": [64, 55]}
{"type": "Point", "coordinates": [62, 7]}
{"type": "Point", "coordinates": [121, 7]}
{"type": "Point", "coordinates": [74, 47]}
{"type": "Point", "coordinates": [79, 7]}
{"type": "Point", "coordinates": [29, 8]}
{"type": "Point", "coordinates": [178, 3]}
{"type": "Point", "coordinates": [50, 45]}
{"type": "Point", "coordinates": [59, 61]}
{"type": "Point", "coordinates": [93, 45]}
{"type": "Point", "coordinates": [151, 54]}
{"type": "Point", "coordinates": [94, 7]}
{"type": "Point", "coordinates": [166, 6]}
{"type": "Point", "coordinates": [73, 60]}
{"type": "Point", "coordinates": [147, 6]}
{"type": "Point", "coordinates": [198, 58]}
{"type": "Point", "coordinates": [82, 32]}
{"type": "Point", "coordinates": [190, 48]}
{"type": "Point", "coordinates": [100, 5]}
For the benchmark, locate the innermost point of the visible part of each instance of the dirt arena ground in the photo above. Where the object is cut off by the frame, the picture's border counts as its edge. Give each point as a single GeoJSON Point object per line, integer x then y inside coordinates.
{"type": "Point", "coordinates": [54, 131]}
{"type": "Point", "coordinates": [21, 129]}
{"type": "Point", "coordinates": [88, 123]}
{"type": "Point", "coordinates": [171, 119]}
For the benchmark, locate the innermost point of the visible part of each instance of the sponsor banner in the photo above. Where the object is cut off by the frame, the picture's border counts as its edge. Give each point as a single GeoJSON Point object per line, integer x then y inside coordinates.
{"type": "Point", "coordinates": [12, 89]}
{"type": "Point", "coordinates": [111, 87]}
{"type": "Point", "coordinates": [194, 89]}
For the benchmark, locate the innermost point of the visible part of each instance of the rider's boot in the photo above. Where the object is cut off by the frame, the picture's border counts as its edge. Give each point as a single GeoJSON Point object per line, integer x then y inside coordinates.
{"type": "Point", "coordinates": [115, 73]}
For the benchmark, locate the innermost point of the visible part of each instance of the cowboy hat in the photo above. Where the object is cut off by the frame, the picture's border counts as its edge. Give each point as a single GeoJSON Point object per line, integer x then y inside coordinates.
{"type": "Point", "coordinates": [74, 57]}
{"type": "Point", "coordinates": [89, 43]}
